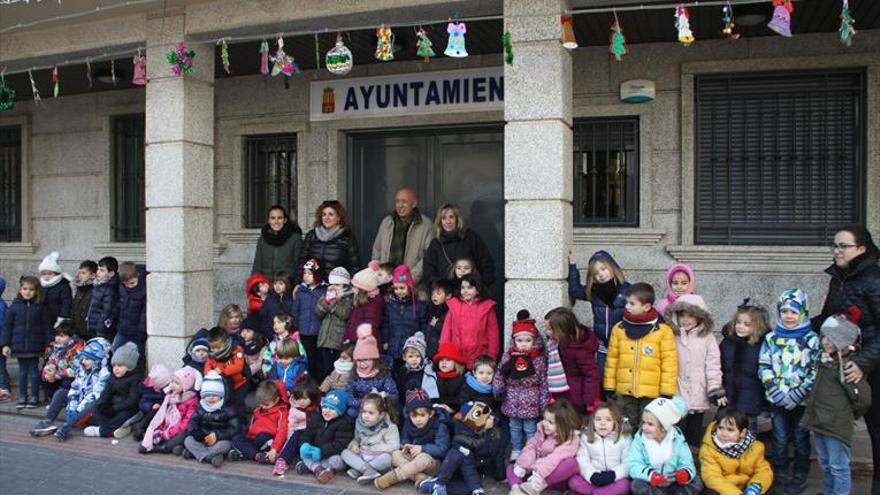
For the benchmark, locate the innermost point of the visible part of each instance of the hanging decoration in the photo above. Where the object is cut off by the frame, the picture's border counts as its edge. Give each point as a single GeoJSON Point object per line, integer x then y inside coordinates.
{"type": "Point", "coordinates": [339, 60]}
{"type": "Point", "coordinates": [264, 57]}
{"type": "Point", "coordinates": [89, 72]}
{"type": "Point", "coordinates": [683, 24]}
{"type": "Point", "coordinates": [282, 63]}
{"type": "Point", "coordinates": [728, 24]}
{"type": "Point", "coordinates": [617, 47]}
{"type": "Point", "coordinates": [424, 47]}
{"type": "Point", "coordinates": [781, 21]}
{"type": "Point", "coordinates": [34, 89]}
{"type": "Point", "coordinates": [847, 31]}
{"type": "Point", "coordinates": [113, 71]}
{"type": "Point", "coordinates": [455, 47]}
{"type": "Point", "coordinates": [508, 47]}
{"type": "Point", "coordinates": [384, 44]}
{"type": "Point", "coordinates": [569, 40]}
{"type": "Point", "coordinates": [139, 78]}
{"type": "Point", "coordinates": [7, 94]}
{"type": "Point", "coordinates": [180, 59]}
{"type": "Point", "coordinates": [56, 84]}
{"type": "Point", "coordinates": [224, 56]}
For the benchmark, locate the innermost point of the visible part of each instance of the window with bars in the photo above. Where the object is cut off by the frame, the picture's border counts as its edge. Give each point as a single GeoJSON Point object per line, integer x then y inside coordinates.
{"type": "Point", "coordinates": [779, 156]}
{"type": "Point", "coordinates": [606, 172]}
{"type": "Point", "coordinates": [128, 179]}
{"type": "Point", "coordinates": [10, 184]}
{"type": "Point", "coordinates": [270, 176]}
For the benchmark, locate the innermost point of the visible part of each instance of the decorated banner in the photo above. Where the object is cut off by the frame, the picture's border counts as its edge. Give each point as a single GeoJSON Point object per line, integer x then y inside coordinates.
{"type": "Point", "coordinates": [408, 94]}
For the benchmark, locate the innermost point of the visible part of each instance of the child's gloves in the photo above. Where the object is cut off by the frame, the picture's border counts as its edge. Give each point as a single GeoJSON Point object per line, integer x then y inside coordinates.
{"type": "Point", "coordinates": [776, 396]}
{"type": "Point", "coordinates": [310, 452]}
{"type": "Point", "coordinates": [602, 478]}
{"type": "Point", "coordinates": [658, 479]}
{"type": "Point", "coordinates": [330, 296]}
{"type": "Point", "coordinates": [507, 368]}
{"type": "Point", "coordinates": [796, 396]}
{"type": "Point", "coordinates": [719, 400]}
{"type": "Point", "coordinates": [752, 489]}
{"type": "Point", "coordinates": [520, 472]}
{"type": "Point", "coordinates": [682, 476]}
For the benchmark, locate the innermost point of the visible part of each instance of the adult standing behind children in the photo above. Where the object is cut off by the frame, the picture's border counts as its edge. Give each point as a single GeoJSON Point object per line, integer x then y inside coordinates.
{"type": "Point", "coordinates": [405, 234]}
{"type": "Point", "coordinates": [278, 245]}
{"type": "Point", "coordinates": [455, 241]}
{"type": "Point", "coordinates": [855, 280]}
{"type": "Point", "coordinates": [331, 240]}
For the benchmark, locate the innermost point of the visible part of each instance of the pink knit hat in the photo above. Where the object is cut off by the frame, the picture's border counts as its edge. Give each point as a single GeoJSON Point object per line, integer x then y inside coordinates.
{"type": "Point", "coordinates": [189, 378]}
{"type": "Point", "coordinates": [403, 275]}
{"type": "Point", "coordinates": [366, 346]}
{"type": "Point", "coordinates": [367, 279]}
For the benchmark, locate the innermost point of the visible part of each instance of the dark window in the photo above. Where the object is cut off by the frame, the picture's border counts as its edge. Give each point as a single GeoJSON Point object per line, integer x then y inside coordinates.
{"type": "Point", "coordinates": [10, 184]}
{"type": "Point", "coordinates": [779, 156]}
{"type": "Point", "coordinates": [271, 176]}
{"type": "Point", "coordinates": [606, 172]}
{"type": "Point", "coordinates": [128, 179]}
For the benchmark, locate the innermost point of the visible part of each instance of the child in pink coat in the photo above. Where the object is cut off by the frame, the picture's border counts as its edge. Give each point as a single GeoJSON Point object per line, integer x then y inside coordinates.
{"type": "Point", "coordinates": [167, 431]}
{"type": "Point", "coordinates": [679, 281]}
{"type": "Point", "coordinates": [549, 459]}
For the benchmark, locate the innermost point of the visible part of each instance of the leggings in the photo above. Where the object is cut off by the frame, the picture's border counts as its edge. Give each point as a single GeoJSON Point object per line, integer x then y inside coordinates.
{"type": "Point", "coordinates": [580, 486]}
{"type": "Point", "coordinates": [367, 463]}
{"type": "Point", "coordinates": [29, 374]}
{"type": "Point", "coordinates": [204, 453]}
{"type": "Point", "coordinates": [557, 480]}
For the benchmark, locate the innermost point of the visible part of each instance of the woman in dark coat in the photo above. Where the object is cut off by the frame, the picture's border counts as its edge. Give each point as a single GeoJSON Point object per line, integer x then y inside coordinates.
{"type": "Point", "coordinates": [453, 243]}
{"type": "Point", "coordinates": [855, 280]}
{"type": "Point", "coordinates": [278, 245]}
{"type": "Point", "coordinates": [331, 241]}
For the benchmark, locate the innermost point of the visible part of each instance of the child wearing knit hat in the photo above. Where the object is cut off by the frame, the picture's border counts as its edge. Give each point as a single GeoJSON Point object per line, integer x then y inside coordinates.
{"type": "Point", "coordinates": [321, 446]}
{"type": "Point", "coordinates": [167, 429]}
{"type": "Point", "coordinates": [119, 402]}
{"type": "Point", "coordinates": [659, 459]}
{"type": "Point", "coordinates": [370, 373]}
{"type": "Point", "coordinates": [404, 314]}
{"type": "Point", "coordinates": [787, 368]}
{"type": "Point", "coordinates": [450, 376]}
{"type": "Point", "coordinates": [415, 371]}
{"type": "Point", "coordinates": [57, 295]}
{"type": "Point", "coordinates": [305, 299]}
{"type": "Point", "coordinates": [152, 396]}
{"type": "Point", "coordinates": [334, 310]}
{"type": "Point", "coordinates": [215, 422]}
{"type": "Point", "coordinates": [368, 304]}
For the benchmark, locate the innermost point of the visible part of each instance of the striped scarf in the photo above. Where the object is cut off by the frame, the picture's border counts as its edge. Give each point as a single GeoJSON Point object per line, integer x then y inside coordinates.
{"type": "Point", "coordinates": [556, 380]}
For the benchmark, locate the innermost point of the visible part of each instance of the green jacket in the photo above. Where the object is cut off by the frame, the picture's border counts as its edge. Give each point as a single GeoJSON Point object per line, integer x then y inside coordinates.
{"type": "Point", "coordinates": [333, 318]}
{"type": "Point", "coordinates": [834, 406]}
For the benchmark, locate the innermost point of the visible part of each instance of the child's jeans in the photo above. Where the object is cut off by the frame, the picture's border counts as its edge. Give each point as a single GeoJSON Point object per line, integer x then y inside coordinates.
{"type": "Point", "coordinates": [203, 452]}
{"type": "Point", "coordinates": [366, 463]}
{"type": "Point", "coordinates": [407, 468]}
{"type": "Point", "coordinates": [51, 387]}
{"type": "Point", "coordinates": [787, 428]}
{"type": "Point", "coordinates": [250, 446]}
{"type": "Point", "coordinates": [580, 486]}
{"type": "Point", "coordinates": [29, 374]}
{"type": "Point", "coordinates": [456, 461]}
{"type": "Point", "coordinates": [557, 480]}
{"type": "Point", "coordinates": [57, 403]}
{"type": "Point", "coordinates": [520, 427]}
{"type": "Point", "coordinates": [834, 457]}
{"type": "Point", "coordinates": [641, 487]}
{"type": "Point", "coordinates": [290, 451]}
{"type": "Point", "coordinates": [108, 425]}
{"type": "Point", "coordinates": [4, 375]}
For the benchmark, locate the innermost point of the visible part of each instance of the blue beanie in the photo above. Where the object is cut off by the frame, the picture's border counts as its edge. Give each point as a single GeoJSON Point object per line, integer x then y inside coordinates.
{"type": "Point", "coordinates": [95, 349]}
{"type": "Point", "coordinates": [336, 400]}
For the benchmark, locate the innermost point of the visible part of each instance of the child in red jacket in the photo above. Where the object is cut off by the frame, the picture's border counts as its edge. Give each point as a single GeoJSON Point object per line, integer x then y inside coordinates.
{"type": "Point", "coordinates": [471, 322]}
{"type": "Point", "coordinates": [268, 426]}
{"type": "Point", "coordinates": [257, 290]}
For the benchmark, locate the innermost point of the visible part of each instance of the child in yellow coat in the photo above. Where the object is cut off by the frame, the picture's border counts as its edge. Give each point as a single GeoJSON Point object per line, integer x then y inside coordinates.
{"type": "Point", "coordinates": [732, 460]}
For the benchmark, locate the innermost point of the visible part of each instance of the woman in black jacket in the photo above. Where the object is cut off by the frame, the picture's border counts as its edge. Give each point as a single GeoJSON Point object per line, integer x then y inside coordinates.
{"type": "Point", "coordinates": [453, 243]}
{"type": "Point", "coordinates": [855, 280]}
{"type": "Point", "coordinates": [331, 241]}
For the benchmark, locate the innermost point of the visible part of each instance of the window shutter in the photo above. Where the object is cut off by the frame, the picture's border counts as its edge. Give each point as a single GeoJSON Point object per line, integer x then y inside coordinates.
{"type": "Point", "coordinates": [10, 184]}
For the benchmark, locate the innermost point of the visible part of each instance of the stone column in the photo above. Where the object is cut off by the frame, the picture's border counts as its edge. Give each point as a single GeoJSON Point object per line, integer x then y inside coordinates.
{"type": "Point", "coordinates": [179, 193]}
{"type": "Point", "coordinates": [537, 159]}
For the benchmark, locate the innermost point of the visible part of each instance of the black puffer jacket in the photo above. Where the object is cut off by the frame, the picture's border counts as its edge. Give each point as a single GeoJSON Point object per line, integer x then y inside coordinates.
{"type": "Point", "coordinates": [739, 362]}
{"type": "Point", "coordinates": [223, 423]}
{"type": "Point", "coordinates": [131, 310]}
{"type": "Point", "coordinates": [451, 247]}
{"type": "Point", "coordinates": [28, 328]}
{"type": "Point", "coordinates": [857, 285]}
{"type": "Point", "coordinates": [121, 394]}
{"type": "Point", "coordinates": [102, 308]}
{"type": "Point", "coordinates": [332, 437]}
{"type": "Point", "coordinates": [339, 251]}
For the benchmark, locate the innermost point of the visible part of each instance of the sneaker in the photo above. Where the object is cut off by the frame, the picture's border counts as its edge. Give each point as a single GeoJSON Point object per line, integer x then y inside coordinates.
{"type": "Point", "coordinates": [301, 468]}
{"type": "Point", "coordinates": [217, 460]}
{"type": "Point", "coordinates": [235, 455]}
{"type": "Point", "coordinates": [43, 428]}
{"type": "Point", "coordinates": [21, 403]}
{"type": "Point", "coordinates": [439, 490]}
{"type": "Point", "coordinates": [426, 485]}
{"type": "Point", "coordinates": [261, 458]}
{"type": "Point", "coordinates": [353, 473]}
{"type": "Point", "coordinates": [142, 450]}
{"type": "Point", "coordinates": [514, 455]}
{"type": "Point", "coordinates": [368, 477]}
{"type": "Point", "coordinates": [178, 450]}
{"type": "Point", "coordinates": [280, 467]}
{"type": "Point", "coordinates": [32, 404]}
{"type": "Point", "coordinates": [186, 454]}
{"type": "Point", "coordinates": [324, 476]}
{"type": "Point", "coordinates": [59, 435]}
{"type": "Point", "coordinates": [92, 431]}
{"type": "Point", "coordinates": [5, 395]}
{"type": "Point", "coordinates": [122, 432]}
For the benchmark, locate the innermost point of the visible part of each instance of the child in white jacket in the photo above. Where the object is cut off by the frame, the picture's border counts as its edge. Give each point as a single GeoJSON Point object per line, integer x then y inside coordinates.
{"type": "Point", "coordinates": [602, 454]}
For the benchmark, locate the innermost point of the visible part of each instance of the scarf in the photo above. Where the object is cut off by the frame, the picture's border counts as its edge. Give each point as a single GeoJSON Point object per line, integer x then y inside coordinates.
{"type": "Point", "coordinates": [477, 385]}
{"type": "Point", "coordinates": [556, 380]}
{"type": "Point", "coordinates": [368, 374]}
{"type": "Point", "coordinates": [793, 333]}
{"type": "Point", "coordinates": [659, 453]}
{"type": "Point", "coordinates": [210, 407]}
{"type": "Point", "coordinates": [447, 374]}
{"type": "Point", "coordinates": [368, 431]}
{"type": "Point", "coordinates": [52, 282]}
{"type": "Point", "coordinates": [327, 235]}
{"type": "Point", "coordinates": [343, 367]}
{"type": "Point", "coordinates": [88, 283]}
{"type": "Point", "coordinates": [223, 354]}
{"type": "Point", "coordinates": [607, 291]}
{"type": "Point", "coordinates": [252, 347]}
{"type": "Point", "coordinates": [279, 238]}
{"type": "Point", "coordinates": [167, 415]}
{"type": "Point", "coordinates": [637, 326]}
{"type": "Point", "coordinates": [733, 449]}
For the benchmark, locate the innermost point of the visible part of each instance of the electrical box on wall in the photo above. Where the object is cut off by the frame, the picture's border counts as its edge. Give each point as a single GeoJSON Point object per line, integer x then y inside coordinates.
{"type": "Point", "coordinates": [637, 91]}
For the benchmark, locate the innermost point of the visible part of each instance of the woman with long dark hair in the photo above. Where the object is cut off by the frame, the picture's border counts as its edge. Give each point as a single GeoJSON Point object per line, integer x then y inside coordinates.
{"type": "Point", "coordinates": [278, 245]}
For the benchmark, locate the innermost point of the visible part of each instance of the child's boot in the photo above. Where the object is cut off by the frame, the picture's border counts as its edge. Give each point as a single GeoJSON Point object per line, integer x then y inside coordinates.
{"type": "Point", "coordinates": [92, 431]}
{"type": "Point", "coordinates": [217, 460]}
{"type": "Point", "coordinates": [324, 474]}
{"type": "Point", "coordinates": [387, 480]}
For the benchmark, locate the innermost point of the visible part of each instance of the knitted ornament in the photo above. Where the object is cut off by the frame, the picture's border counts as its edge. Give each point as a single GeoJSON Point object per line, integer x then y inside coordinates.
{"type": "Point", "coordinates": [455, 46]}
{"type": "Point", "coordinates": [180, 59]}
{"type": "Point", "coordinates": [847, 31]}
{"type": "Point", "coordinates": [7, 95]}
{"type": "Point", "coordinates": [282, 63]}
{"type": "Point", "coordinates": [728, 24]}
{"type": "Point", "coordinates": [556, 380]}
{"type": "Point", "coordinates": [56, 84]}
{"type": "Point", "coordinates": [339, 59]}
{"type": "Point", "coordinates": [366, 346]}
{"type": "Point", "coordinates": [139, 78]}
{"type": "Point", "coordinates": [424, 46]}
{"type": "Point", "coordinates": [781, 21]}
{"type": "Point", "coordinates": [617, 47]}
{"type": "Point", "coordinates": [384, 44]}
{"type": "Point", "coordinates": [224, 56]}
{"type": "Point", "coordinates": [264, 57]}
{"type": "Point", "coordinates": [508, 47]}
{"type": "Point", "coordinates": [683, 24]}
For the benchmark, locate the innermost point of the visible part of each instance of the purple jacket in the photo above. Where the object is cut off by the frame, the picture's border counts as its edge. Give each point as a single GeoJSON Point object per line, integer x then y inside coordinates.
{"type": "Point", "coordinates": [581, 370]}
{"type": "Point", "coordinates": [523, 398]}
{"type": "Point", "coordinates": [371, 313]}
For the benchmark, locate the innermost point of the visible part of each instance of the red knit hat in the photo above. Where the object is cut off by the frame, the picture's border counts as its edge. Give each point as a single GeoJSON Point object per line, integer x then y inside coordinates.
{"type": "Point", "coordinates": [521, 327]}
{"type": "Point", "coordinates": [315, 267]}
{"type": "Point", "coordinates": [451, 351]}
{"type": "Point", "coordinates": [402, 275]}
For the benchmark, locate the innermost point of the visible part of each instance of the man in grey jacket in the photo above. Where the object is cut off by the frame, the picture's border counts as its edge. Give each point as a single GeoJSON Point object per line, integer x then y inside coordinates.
{"type": "Point", "coordinates": [405, 234]}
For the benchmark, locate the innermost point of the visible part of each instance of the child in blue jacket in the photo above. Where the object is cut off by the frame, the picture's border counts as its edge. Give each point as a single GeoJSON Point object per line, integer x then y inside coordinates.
{"type": "Point", "coordinates": [305, 300]}
{"type": "Point", "coordinates": [28, 334]}
{"type": "Point", "coordinates": [290, 366]}
{"type": "Point", "coordinates": [404, 315]}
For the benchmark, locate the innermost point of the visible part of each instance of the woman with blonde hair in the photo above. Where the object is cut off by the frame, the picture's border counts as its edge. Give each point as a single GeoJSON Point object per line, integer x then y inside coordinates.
{"type": "Point", "coordinates": [454, 241]}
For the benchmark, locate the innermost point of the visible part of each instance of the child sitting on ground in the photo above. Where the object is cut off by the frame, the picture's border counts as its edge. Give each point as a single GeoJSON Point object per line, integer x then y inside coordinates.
{"type": "Point", "coordinates": [210, 430]}
{"type": "Point", "coordinates": [303, 413]}
{"type": "Point", "coordinates": [290, 366]}
{"type": "Point", "coordinates": [322, 445]}
{"type": "Point", "coordinates": [227, 358]}
{"type": "Point", "coordinates": [168, 427]}
{"type": "Point", "coordinates": [415, 371]}
{"type": "Point", "coordinates": [152, 396]}
{"type": "Point", "coordinates": [375, 438]}
{"type": "Point", "coordinates": [268, 426]}
{"type": "Point", "coordinates": [731, 459]}
{"type": "Point", "coordinates": [338, 378]}
{"type": "Point", "coordinates": [550, 455]}
{"type": "Point", "coordinates": [370, 373]}
{"type": "Point", "coordinates": [119, 402]}
{"type": "Point", "coordinates": [58, 370]}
